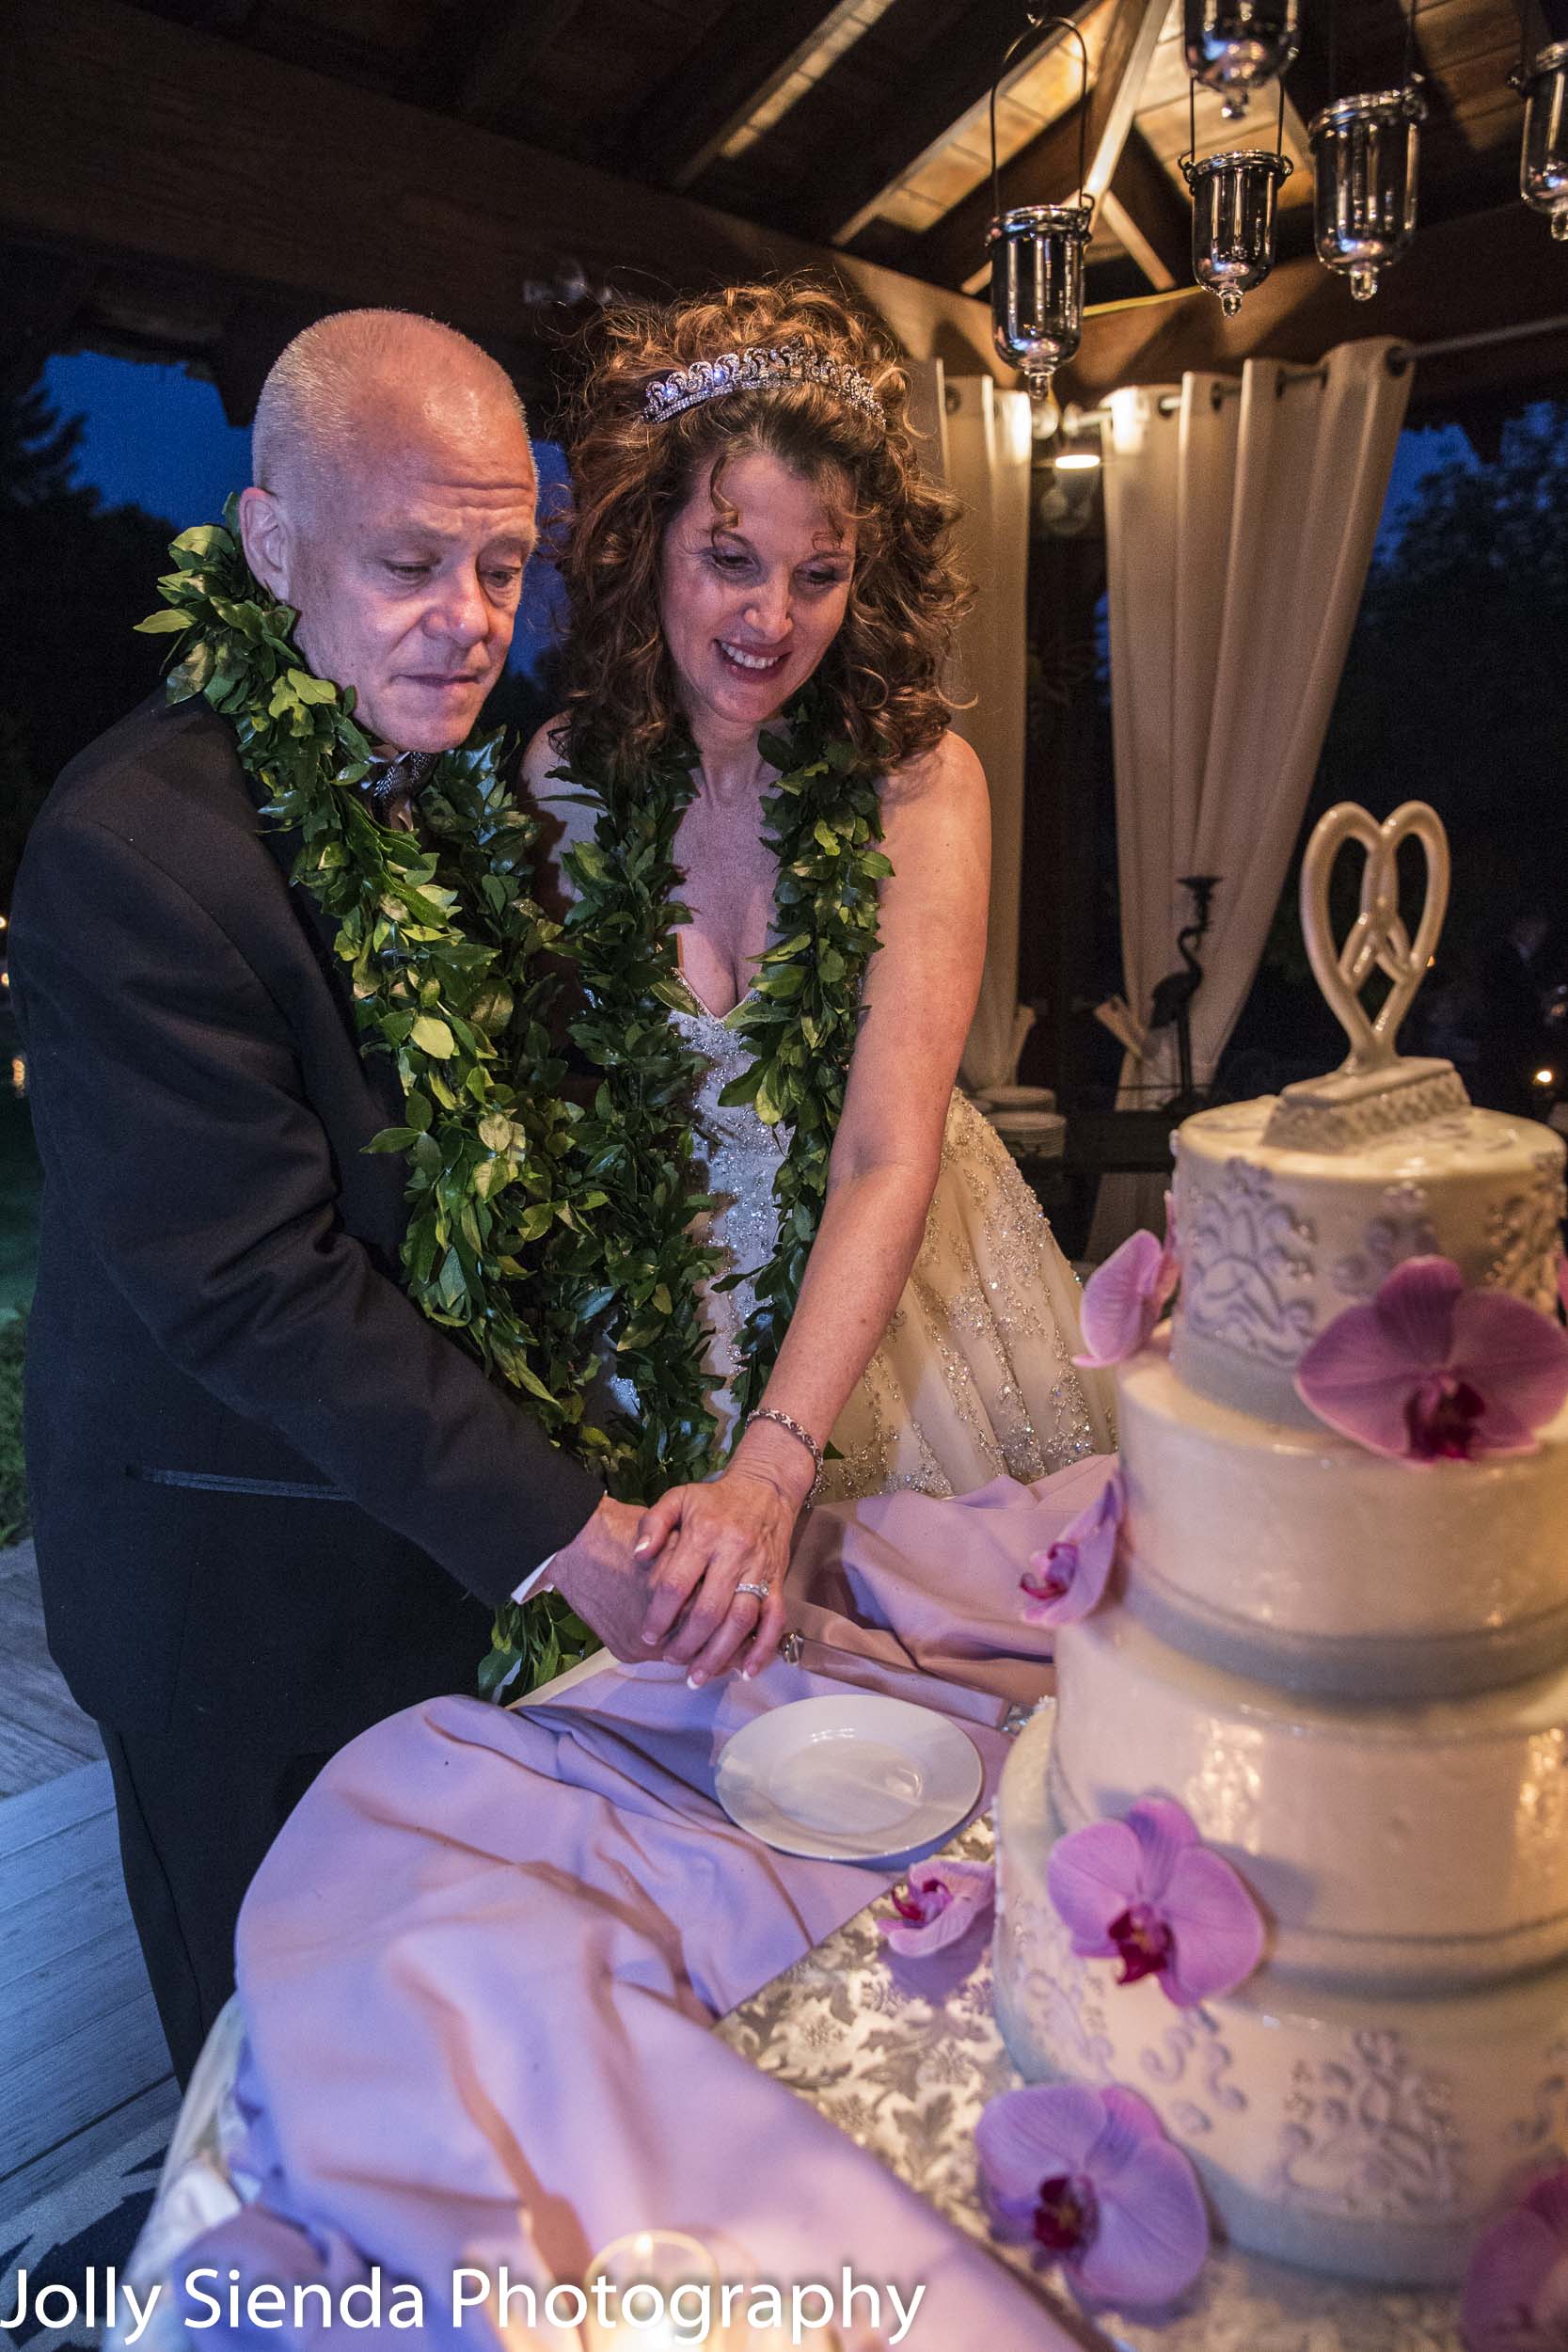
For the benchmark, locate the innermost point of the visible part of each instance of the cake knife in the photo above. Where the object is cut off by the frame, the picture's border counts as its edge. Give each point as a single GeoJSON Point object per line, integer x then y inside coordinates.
{"type": "Point", "coordinates": [855, 1665]}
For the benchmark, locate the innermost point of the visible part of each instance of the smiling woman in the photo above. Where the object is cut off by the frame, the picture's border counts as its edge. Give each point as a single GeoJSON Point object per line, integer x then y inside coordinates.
{"type": "Point", "coordinates": [779, 857]}
{"type": "Point", "coordinates": [749, 613]}
{"type": "Point", "coordinates": [843, 432]}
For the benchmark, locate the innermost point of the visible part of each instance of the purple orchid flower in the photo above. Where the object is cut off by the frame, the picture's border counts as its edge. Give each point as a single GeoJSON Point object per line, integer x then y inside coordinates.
{"type": "Point", "coordinates": [1064, 1581]}
{"type": "Point", "coordinates": [1149, 1892]}
{"type": "Point", "coordinates": [1429, 1371]}
{"type": "Point", "coordinates": [1124, 1298]}
{"type": "Point", "coordinates": [1090, 2176]}
{"type": "Point", "coordinates": [941, 1903]}
{"type": "Point", "coordinates": [1515, 2296]}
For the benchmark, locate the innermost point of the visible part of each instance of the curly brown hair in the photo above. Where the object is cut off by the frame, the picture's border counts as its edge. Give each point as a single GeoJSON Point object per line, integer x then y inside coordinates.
{"type": "Point", "coordinates": [883, 670]}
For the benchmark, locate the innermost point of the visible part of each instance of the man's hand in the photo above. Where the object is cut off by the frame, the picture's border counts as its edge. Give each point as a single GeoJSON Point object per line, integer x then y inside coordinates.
{"type": "Point", "coordinates": [607, 1587]}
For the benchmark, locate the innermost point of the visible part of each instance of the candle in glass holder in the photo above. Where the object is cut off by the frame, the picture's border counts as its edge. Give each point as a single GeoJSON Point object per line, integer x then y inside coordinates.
{"type": "Point", "coordinates": [660, 2293]}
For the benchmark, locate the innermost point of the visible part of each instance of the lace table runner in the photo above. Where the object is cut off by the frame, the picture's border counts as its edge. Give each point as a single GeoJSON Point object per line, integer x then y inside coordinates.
{"type": "Point", "coordinates": [906, 2072]}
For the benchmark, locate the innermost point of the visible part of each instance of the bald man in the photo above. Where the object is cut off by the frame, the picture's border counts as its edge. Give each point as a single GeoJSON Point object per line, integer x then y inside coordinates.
{"type": "Point", "coordinates": [273, 1502]}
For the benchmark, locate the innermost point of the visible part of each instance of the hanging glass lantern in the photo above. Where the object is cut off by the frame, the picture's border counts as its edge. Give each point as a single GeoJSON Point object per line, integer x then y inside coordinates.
{"type": "Point", "coordinates": [1544, 160]}
{"type": "Point", "coordinates": [1234, 214]}
{"type": "Point", "coordinates": [1036, 288]}
{"type": "Point", "coordinates": [1037, 250]}
{"type": "Point", "coordinates": [1234, 220]}
{"type": "Point", "coordinates": [1366, 151]}
{"type": "Point", "coordinates": [1235, 46]}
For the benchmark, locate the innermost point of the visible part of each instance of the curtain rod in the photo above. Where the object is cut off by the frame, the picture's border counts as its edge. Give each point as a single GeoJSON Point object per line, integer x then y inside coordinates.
{"type": "Point", "coordinates": [1405, 354]}
{"type": "Point", "coordinates": [1401, 357]}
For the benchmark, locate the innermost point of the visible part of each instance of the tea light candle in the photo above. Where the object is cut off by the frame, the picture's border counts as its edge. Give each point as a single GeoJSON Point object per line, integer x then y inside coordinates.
{"type": "Point", "coordinates": [640, 2303]}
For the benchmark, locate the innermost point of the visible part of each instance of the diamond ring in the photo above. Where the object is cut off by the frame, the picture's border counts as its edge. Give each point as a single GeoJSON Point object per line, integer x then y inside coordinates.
{"type": "Point", "coordinates": [762, 1592]}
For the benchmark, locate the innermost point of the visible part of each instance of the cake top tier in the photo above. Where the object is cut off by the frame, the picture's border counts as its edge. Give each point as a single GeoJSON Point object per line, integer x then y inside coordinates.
{"type": "Point", "coordinates": [1290, 1208]}
{"type": "Point", "coordinates": [1275, 1240]}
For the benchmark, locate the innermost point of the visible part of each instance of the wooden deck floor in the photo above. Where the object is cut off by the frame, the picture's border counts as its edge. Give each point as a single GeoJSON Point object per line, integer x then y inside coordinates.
{"type": "Point", "coordinates": [83, 2064]}
{"type": "Point", "coordinates": [43, 1734]}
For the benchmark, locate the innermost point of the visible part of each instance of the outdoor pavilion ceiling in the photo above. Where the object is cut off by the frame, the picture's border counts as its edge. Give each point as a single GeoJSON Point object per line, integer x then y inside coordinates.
{"type": "Point", "coordinates": [197, 175]}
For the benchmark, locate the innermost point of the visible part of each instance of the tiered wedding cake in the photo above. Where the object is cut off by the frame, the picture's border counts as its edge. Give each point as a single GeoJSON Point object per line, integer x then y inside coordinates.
{"type": "Point", "coordinates": [1350, 1670]}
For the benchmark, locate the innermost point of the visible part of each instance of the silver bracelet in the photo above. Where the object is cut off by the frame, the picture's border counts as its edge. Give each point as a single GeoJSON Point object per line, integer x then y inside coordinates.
{"type": "Point", "coordinates": [771, 1412]}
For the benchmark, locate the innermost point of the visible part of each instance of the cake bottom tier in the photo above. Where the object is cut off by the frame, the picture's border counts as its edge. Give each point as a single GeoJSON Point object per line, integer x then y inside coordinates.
{"type": "Point", "coordinates": [1369, 2134]}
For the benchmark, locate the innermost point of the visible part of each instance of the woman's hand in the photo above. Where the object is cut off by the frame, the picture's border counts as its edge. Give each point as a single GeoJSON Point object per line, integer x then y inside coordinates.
{"type": "Point", "coordinates": [732, 1530]}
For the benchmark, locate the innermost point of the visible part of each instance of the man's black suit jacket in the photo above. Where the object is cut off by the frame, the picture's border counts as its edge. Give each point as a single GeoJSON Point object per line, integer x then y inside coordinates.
{"type": "Point", "coordinates": [261, 1479]}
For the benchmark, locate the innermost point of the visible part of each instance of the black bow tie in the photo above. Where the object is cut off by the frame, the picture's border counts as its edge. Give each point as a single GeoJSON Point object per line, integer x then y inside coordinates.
{"type": "Point", "coordinates": [393, 784]}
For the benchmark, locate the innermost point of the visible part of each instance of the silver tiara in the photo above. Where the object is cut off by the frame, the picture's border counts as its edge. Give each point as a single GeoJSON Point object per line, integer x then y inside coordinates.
{"type": "Point", "coordinates": [757, 369]}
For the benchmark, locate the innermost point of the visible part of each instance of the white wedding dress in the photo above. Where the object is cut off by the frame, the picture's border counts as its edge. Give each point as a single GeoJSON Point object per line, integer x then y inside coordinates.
{"type": "Point", "coordinates": [973, 1377]}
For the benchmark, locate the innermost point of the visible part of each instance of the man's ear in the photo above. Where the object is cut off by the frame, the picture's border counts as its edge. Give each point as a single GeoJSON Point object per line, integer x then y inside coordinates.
{"type": "Point", "coordinates": [266, 533]}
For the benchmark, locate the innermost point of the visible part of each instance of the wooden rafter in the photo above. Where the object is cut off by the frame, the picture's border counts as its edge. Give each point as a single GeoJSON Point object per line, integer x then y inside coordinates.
{"type": "Point", "coordinates": [1046, 172]}
{"type": "Point", "coordinates": [683, 125]}
{"type": "Point", "coordinates": [1149, 215]}
{"type": "Point", "coordinates": [480, 66]}
{"type": "Point", "coordinates": [38, 301]}
{"type": "Point", "coordinates": [1496, 269]}
{"type": "Point", "coordinates": [498, 66]}
{"type": "Point", "coordinates": [223, 16]}
{"type": "Point", "coordinates": [1373, 62]}
{"type": "Point", "coordinates": [346, 195]}
{"type": "Point", "coordinates": [937, 88]}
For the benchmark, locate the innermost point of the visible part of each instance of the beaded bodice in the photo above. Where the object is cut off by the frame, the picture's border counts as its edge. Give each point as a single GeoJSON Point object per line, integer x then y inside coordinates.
{"type": "Point", "coordinates": [737, 1158]}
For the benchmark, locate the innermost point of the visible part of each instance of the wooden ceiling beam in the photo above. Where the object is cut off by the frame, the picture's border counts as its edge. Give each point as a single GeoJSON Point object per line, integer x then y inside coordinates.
{"type": "Point", "coordinates": [1307, 84]}
{"type": "Point", "coordinates": [253, 335]}
{"type": "Point", "coordinates": [1149, 215]}
{"type": "Point", "coordinates": [216, 16]}
{"type": "Point", "coordinates": [1496, 269]}
{"type": "Point", "coordinates": [38, 300]}
{"type": "Point", "coordinates": [755, 47]}
{"type": "Point", "coordinates": [499, 67]}
{"type": "Point", "coordinates": [1046, 172]}
{"type": "Point", "coordinates": [352, 197]}
{"type": "Point", "coordinates": [935, 91]}
{"type": "Point", "coordinates": [1374, 61]}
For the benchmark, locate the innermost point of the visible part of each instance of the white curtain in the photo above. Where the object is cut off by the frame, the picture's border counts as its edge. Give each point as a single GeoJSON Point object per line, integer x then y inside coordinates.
{"type": "Point", "coordinates": [987, 437]}
{"type": "Point", "coordinates": [1238, 536]}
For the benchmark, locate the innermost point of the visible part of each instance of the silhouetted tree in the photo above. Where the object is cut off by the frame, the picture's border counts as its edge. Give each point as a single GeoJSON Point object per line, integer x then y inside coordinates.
{"type": "Point", "coordinates": [1455, 692]}
{"type": "Point", "coordinates": [75, 577]}
{"type": "Point", "coordinates": [38, 451]}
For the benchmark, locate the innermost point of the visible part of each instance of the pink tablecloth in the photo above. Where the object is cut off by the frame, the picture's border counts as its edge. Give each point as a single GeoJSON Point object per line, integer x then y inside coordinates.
{"type": "Point", "coordinates": [478, 1967]}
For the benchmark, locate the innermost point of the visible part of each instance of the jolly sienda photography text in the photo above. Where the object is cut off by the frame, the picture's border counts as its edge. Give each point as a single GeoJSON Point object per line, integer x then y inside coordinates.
{"type": "Point", "coordinates": [211, 2299]}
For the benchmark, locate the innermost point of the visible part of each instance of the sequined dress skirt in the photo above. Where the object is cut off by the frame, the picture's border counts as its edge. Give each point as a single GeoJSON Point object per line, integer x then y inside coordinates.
{"type": "Point", "coordinates": [974, 1376]}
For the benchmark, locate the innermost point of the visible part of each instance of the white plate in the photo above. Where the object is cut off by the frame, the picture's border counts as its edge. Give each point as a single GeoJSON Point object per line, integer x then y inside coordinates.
{"type": "Point", "coordinates": [850, 1778]}
{"type": "Point", "coordinates": [1018, 1097]}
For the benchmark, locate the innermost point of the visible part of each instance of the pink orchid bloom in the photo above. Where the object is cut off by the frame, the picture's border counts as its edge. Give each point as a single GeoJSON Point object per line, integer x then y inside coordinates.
{"type": "Point", "coordinates": [1515, 2296]}
{"type": "Point", "coordinates": [1064, 1581]}
{"type": "Point", "coordinates": [1090, 2176]}
{"type": "Point", "coordinates": [1431, 1370]}
{"type": "Point", "coordinates": [941, 1903]}
{"type": "Point", "coordinates": [1124, 1298]}
{"type": "Point", "coordinates": [1149, 1892]}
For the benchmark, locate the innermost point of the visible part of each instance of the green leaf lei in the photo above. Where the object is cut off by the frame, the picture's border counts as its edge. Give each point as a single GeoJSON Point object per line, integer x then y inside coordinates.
{"type": "Point", "coordinates": [822, 817]}
{"type": "Point", "coordinates": [543, 1233]}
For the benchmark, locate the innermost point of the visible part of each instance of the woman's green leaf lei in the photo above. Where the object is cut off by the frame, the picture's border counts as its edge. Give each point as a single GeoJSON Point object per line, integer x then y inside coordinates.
{"type": "Point", "coordinates": [543, 1234]}
{"type": "Point", "coordinates": [822, 817]}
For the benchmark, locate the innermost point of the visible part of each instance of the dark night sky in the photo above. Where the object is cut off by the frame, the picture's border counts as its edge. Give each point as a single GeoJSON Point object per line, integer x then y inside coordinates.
{"type": "Point", "coordinates": [157, 437]}
{"type": "Point", "coordinates": [154, 438]}
{"type": "Point", "coordinates": [1422, 450]}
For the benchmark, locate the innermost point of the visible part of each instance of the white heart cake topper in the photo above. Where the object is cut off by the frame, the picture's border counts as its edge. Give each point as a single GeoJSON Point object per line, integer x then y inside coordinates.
{"type": "Point", "coordinates": [1377, 940]}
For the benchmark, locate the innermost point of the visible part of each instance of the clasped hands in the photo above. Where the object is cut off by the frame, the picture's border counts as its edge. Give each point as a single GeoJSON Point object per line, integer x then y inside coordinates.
{"type": "Point", "coordinates": [664, 1582]}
